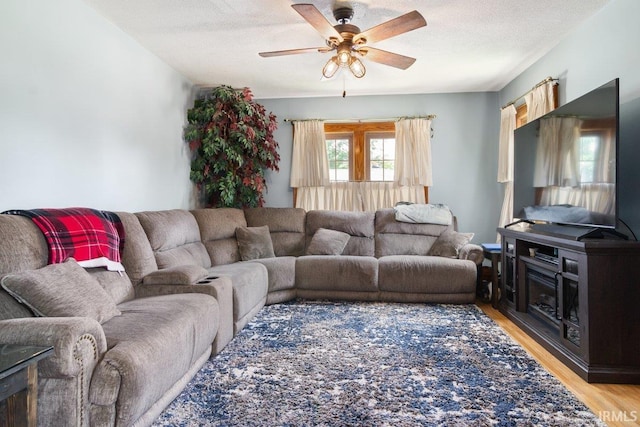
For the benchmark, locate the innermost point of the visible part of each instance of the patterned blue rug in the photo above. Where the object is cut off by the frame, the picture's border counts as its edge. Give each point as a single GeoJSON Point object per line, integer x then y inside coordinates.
{"type": "Point", "coordinates": [374, 364]}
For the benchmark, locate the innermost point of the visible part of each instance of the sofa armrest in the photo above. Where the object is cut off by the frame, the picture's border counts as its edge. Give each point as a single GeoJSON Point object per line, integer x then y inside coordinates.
{"type": "Point", "coordinates": [472, 252]}
{"type": "Point", "coordinates": [179, 275]}
{"type": "Point", "coordinates": [77, 341]}
{"type": "Point", "coordinates": [218, 287]}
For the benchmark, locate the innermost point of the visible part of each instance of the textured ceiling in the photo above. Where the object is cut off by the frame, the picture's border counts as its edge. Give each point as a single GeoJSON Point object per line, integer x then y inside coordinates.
{"type": "Point", "coordinates": [467, 45]}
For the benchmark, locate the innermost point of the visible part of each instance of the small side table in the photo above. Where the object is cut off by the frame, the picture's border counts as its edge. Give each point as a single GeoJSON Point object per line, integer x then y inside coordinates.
{"type": "Point", "coordinates": [19, 383]}
{"type": "Point", "coordinates": [493, 252]}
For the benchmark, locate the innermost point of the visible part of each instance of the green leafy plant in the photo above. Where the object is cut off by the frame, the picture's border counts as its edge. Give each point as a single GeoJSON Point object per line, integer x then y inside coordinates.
{"type": "Point", "coordinates": [231, 140]}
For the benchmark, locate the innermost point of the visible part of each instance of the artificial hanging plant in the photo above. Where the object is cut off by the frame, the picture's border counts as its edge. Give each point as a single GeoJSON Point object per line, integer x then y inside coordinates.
{"type": "Point", "coordinates": [231, 140]}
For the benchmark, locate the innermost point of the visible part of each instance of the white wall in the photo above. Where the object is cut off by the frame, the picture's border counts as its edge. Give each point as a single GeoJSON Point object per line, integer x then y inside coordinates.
{"type": "Point", "coordinates": [601, 49]}
{"type": "Point", "coordinates": [464, 147]}
{"type": "Point", "coordinates": [87, 116]}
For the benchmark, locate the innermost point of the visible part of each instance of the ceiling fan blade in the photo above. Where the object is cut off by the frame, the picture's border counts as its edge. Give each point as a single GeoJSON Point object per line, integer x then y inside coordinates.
{"type": "Point", "coordinates": [402, 24]}
{"type": "Point", "coordinates": [317, 20]}
{"type": "Point", "coordinates": [386, 58]}
{"type": "Point", "coordinates": [294, 51]}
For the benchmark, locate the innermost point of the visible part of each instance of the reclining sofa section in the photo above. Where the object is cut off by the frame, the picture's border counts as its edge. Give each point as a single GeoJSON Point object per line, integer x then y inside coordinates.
{"type": "Point", "coordinates": [190, 286]}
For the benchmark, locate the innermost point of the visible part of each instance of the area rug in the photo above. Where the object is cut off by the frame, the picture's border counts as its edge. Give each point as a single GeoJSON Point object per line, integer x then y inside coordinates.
{"type": "Point", "coordinates": [374, 364]}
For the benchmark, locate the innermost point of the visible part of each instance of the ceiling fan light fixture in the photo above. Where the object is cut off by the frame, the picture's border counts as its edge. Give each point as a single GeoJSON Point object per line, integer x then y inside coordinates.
{"type": "Point", "coordinates": [344, 57]}
{"type": "Point", "coordinates": [331, 67]}
{"type": "Point", "coordinates": [357, 68]}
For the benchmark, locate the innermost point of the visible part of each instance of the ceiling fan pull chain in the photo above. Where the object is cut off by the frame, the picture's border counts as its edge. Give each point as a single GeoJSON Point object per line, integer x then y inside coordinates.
{"type": "Point", "coordinates": [344, 90]}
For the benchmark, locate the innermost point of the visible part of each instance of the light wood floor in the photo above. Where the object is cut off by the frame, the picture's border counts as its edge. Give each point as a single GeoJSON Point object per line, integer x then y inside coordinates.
{"type": "Point", "coordinates": [615, 404]}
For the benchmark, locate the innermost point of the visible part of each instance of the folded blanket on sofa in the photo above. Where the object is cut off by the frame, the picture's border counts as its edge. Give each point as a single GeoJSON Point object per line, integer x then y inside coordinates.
{"type": "Point", "coordinates": [94, 238]}
{"type": "Point", "coordinates": [423, 213]}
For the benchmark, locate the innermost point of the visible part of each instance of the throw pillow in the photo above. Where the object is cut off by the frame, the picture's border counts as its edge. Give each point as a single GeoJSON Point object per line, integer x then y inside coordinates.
{"type": "Point", "coordinates": [327, 242]}
{"type": "Point", "coordinates": [449, 243]}
{"type": "Point", "coordinates": [254, 243]}
{"type": "Point", "coordinates": [61, 290]}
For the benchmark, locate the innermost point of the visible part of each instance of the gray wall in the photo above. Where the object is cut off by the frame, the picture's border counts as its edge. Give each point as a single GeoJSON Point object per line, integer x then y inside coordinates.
{"type": "Point", "coordinates": [603, 48]}
{"type": "Point", "coordinates": [87, 116]}
{"type": "Point", "coordinates": [464, 147]}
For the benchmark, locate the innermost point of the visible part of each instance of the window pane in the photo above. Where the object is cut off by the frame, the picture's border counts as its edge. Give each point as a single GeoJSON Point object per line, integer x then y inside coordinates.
{"type": "Point", "coordinates": [381, 158]}
{"type": "Point", "coordinates": [376, 149]}
{"type": "Point", "coordinates": [338, 155]}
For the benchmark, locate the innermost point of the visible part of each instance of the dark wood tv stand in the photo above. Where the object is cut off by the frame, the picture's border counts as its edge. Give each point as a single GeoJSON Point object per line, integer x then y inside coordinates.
{"type": "Point", "coordinates": [580, 299]}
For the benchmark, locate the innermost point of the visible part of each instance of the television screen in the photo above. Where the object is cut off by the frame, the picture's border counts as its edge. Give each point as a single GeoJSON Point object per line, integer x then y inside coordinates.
{"type": "Point", "coordinates": [565, 162]}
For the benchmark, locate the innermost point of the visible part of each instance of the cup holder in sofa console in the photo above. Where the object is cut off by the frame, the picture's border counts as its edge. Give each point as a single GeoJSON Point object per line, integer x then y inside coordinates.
{"type": "Point", "coordinates": [206, 280]}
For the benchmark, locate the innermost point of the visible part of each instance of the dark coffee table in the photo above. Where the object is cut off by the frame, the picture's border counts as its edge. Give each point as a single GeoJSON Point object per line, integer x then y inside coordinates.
{"type": "Point", "coordinates": [19, 383]}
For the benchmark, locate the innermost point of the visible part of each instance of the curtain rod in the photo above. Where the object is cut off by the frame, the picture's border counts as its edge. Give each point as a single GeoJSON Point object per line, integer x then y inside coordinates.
{"type": "Point", "coordinates": [548, 79]}
{"type": "Point", "coordinates": [389, 119]}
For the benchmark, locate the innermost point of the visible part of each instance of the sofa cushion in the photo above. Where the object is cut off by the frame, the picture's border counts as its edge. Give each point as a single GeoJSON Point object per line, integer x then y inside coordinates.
{"type": "Point", "coordinates": [449, 244]}
{"type": "Point", "coordinates": [174, 237]}
{"type": "Point", "coordinates": [286, 226]}
{"type": "Point", "coordinates": [327, 242]}
{"type": "Point", "coordinates": [218, 233]}
{"type": "Point", "coordinates": [24, 248]}
{"type": "Point", "coordinates": [359, 225]}
{"type": "Point", "coordinates": [250, 283]}
{"type": "Point", "coordinates": [281, 272]}
{"type": "Point", "coordinates": [117, 284]}
{"type": "Point", "coordinates": [137, 255]}
{"type": "Point", "coordinates": [401, 238]}
{"type": "Point", "coordinates": [254, 243]}
{"type": "Point", "coordinates": [426, 274]}
{"type": "Point", "coordinates": [337, 273]}
{"type": "Point", "coordinates": [151, 346]}
{"type": "Point", "coordinates": [61, 290]}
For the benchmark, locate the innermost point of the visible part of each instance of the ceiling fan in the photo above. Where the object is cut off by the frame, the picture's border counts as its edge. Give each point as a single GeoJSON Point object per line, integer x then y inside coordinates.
{"type": "Point", "coordinates": [349, 43]}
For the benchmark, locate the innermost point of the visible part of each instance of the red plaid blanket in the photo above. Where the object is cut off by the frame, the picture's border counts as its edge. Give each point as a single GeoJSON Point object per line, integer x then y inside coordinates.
{"type": "Point", "coordinates": [93, 238]}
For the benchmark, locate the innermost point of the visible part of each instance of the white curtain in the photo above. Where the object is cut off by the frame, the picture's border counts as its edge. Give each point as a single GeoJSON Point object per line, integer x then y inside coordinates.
{"type": "Point", "coordinates": [309, 163]}
{"type": "Point", "coordinates": [357, 196]}
{"type": "Point", "coordinates": [505, 162]}
{"type": "Point", "coordinates": [539, 101]}
{"type": "Point", "coordinates": [413, 152]}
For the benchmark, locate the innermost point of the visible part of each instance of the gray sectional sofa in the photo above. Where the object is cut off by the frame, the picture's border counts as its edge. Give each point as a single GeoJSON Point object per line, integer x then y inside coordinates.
{"type": "Point", "coordinates": [192, 282]}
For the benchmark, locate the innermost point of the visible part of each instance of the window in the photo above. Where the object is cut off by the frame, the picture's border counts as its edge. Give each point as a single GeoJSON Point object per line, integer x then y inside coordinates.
{"type": "Point", "coordinates": [338, 150]}
{"type": "Point", "coordinates": [382, 152]}
{"type": "Point", "coordinates": [361, 151]}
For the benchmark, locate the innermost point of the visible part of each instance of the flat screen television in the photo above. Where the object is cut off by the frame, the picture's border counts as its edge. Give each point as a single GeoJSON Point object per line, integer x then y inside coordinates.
{"type": "Point", "coordinates": [565, 163]}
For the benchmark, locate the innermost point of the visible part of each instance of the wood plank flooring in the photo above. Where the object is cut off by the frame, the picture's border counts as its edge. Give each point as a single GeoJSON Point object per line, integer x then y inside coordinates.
{"type": "Point", "coordinates": [615, 404]}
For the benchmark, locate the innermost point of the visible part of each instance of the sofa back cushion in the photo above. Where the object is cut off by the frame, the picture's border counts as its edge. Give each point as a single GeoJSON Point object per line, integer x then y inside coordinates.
{"type": "Point", "coordinates": [359, 225]}
{"type": "Point", "coordinates": [403, 238]}
{"type": "Point", "coordinates": [286, 226]}
{"type": "Point", "coordinates": [174, 237]}
{"type": "Point", "coordinates": [137, 256]}
{"type": "Point", "coordinates": [218, 233]}
{"type": "Point", "coordinates": [22, 247]}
